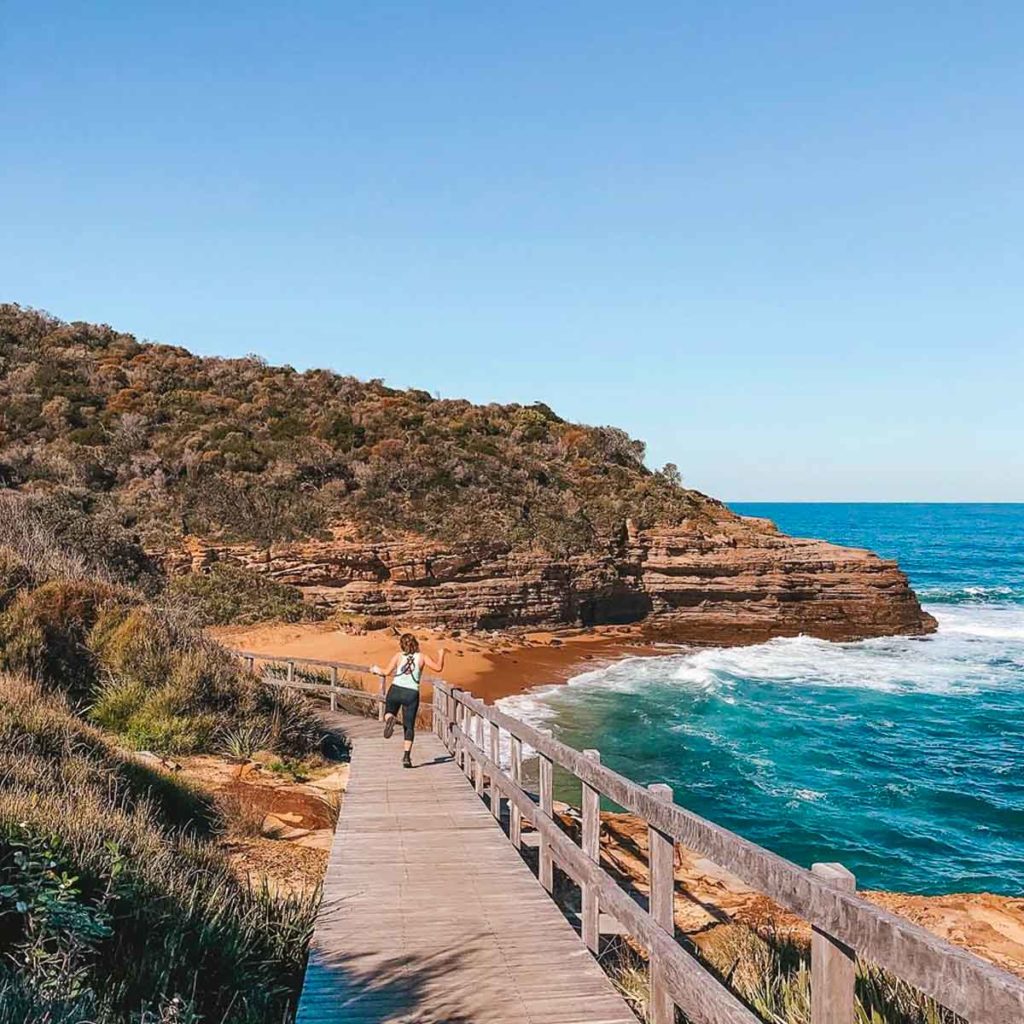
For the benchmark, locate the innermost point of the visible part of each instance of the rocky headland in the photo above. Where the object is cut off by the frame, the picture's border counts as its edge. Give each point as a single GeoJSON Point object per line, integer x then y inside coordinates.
{"type": "Point", "coordinates": [727, 580]}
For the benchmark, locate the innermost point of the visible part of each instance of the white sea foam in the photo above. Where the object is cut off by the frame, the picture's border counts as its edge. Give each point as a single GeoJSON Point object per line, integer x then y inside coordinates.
{"type": "Point", "coordinates": [976, 647]}
{"type": "Point", "coordinates": [994, 621]}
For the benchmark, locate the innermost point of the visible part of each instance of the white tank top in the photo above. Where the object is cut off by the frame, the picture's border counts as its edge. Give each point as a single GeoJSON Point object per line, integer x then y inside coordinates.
{"type": "Point", "coordinates": [409, 671]}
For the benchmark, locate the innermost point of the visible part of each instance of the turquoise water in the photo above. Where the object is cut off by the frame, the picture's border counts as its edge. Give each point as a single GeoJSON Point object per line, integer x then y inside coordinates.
{"type": "Point", "coordinates": [902, 758]}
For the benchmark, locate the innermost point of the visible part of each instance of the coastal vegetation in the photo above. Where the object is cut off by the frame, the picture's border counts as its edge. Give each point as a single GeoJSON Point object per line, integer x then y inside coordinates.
{"type": "Point", "coordinates": [232, 594]}
{"type": "Point", "coordinates": [158, 443]}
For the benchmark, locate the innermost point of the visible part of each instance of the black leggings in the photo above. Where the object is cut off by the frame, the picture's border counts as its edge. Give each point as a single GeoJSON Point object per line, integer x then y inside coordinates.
{"type": "Point", "coordinates": [408, 699]}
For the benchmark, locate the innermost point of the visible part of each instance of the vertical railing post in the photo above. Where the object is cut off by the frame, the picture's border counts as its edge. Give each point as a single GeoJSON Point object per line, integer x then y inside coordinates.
{"type": "Point", "coordinates": [467, 762]}
{"type": "Point", "coordinates": [449, 707]}
{"type": "Point", "coordinates": [457, 714]}
{"type": "Point", "coordinates": [334, 687]}
{"type": "Point", "coordinates": [478, 738]}
{"type": "Point", "coordinates": [380, 703]}
{"type": "Point", "coordinates": [495, 788]}
{"type": "Point", "coordinates": [547, 864]}
{"type": "Point", "coordinates": [661, 857]}
{"type": "Point", "coordinates": [251, 662]}
{"type": "Point", "coordinates": [515, 821]}
{"type": "Point", "coordinates": [291, 672]}
{"type": "Point", "coordinates": [833, 964]}
{"type": "Point", "coordinates": [591, 844]}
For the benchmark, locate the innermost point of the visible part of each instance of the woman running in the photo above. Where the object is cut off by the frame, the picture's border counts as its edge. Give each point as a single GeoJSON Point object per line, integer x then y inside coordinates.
{"type": "Point", "coordinates": [407, 667]}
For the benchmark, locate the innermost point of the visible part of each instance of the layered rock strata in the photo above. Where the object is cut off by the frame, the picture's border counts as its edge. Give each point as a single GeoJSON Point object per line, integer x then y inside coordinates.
{"type": "Point", "coordinates": [724, 581]}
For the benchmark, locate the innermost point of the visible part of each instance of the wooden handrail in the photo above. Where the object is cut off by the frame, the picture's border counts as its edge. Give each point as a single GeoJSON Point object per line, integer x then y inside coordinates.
{"type": "Point", "coordinates": [696, 991]}
{"type": "Point", "coordinates": [331, 690]}
{"type": "Point", "coordinates": [969, 986]}
{"type": "Point", "coordinates": [283, 659]}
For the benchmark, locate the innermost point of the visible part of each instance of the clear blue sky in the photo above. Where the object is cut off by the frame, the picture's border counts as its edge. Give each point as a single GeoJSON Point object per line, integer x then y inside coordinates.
{"type": "Point", "coordinates": [781, 242]}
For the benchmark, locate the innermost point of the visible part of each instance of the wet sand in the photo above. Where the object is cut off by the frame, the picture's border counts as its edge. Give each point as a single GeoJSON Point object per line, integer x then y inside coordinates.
{"type": "Point", "coordinates": [489, 665]}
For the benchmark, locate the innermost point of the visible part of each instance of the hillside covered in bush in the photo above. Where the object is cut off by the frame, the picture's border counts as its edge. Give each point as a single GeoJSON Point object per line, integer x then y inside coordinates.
{"type": "Point", "coordinates": [169, 443]}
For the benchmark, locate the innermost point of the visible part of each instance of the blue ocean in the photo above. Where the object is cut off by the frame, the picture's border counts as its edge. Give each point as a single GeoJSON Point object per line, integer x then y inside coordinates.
{"type": "Point", "coordinates": [902, 758]}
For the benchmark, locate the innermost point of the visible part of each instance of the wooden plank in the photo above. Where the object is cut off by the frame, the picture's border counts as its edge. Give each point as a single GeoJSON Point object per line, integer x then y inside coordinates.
{"type": "Point", "coordinates": [833, 965]}
{"type": "Point", "coordinates": [966, 984]}
{"type": "Point", "coordinates": [321, 688]}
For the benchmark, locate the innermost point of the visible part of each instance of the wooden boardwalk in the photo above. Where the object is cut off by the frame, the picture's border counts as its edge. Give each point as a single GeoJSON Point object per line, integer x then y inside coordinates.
{"type": "Point", "coordinates": [430, 915]}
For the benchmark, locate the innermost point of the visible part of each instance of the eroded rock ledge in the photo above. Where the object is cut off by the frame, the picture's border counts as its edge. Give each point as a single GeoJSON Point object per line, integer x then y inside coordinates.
{"type": "Point", "coordinates": [727, 581]}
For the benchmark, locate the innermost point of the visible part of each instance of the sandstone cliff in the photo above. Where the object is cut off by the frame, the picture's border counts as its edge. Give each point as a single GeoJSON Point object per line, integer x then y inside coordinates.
{"type": "Point", "coordinates": [725, 580]}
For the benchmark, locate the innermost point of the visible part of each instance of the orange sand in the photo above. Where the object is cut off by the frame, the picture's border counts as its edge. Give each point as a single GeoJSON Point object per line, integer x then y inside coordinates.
{"type": "Point", "coordinates": [489, 665]}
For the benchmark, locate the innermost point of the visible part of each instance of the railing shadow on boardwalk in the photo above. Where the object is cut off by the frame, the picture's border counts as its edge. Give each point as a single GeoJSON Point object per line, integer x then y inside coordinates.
{"type": "Point", "coordinates": [386, 993]}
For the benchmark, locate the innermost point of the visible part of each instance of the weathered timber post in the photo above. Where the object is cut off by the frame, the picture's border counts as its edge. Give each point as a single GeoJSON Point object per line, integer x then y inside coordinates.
{"type": "Point", "coordinates": [478, 737]}
{"type": "Point", "coordinates": [380, 705]}
{"type": "Point", "coordinates": [833, 964]}
{"type": "Point", "coordinates": [661, 857]}
{"type": "Point", "coordinates": [460, 712]}
{"type": "Point", "coordinates": [291, 672]}
{"type": "Point", "coordinates": [464, 736]}
{"type": "Point", "coordinates": [591, 843]}
{"type": "Point", "coordinates": [547, 864]}
{"type": "Point", "coordinates": [334, 687]}
{"type": "Point", "coordinates": [467, 753]}
{"type": "Point", "coordinates": [515, 821]}
{"type": "Point", "coordinates": [251, 664]}
{"type": "Point", "coordinates": [495, 788]}
{"type": "Point", "coordinates": [460, 748]}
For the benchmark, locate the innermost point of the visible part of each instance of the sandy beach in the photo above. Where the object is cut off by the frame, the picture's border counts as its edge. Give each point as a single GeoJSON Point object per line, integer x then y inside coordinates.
{"type": "Point", "coordinates": [491, 665]}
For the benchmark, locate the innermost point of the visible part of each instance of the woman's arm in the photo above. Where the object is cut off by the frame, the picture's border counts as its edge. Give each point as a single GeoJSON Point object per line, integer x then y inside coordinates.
{"type": "Point", "coordinates": [390, 670]}
{"type": "Point", "coordinates": [435, 666]}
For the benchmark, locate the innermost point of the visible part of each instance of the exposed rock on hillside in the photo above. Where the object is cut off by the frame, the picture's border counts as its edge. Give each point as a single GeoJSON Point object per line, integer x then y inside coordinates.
{"type": "Point", "coordinates": [736, 581]}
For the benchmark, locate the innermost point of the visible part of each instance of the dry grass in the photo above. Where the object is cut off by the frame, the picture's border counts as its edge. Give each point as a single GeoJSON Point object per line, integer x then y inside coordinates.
{"type": "Point", "coordinates": [772, 977]}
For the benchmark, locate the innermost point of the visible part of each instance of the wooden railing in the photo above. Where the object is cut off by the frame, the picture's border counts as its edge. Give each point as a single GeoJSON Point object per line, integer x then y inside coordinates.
{"type": "Point", "coordinates": [845, 926]}
{"type": "Point", "coordinates": [332, 689]}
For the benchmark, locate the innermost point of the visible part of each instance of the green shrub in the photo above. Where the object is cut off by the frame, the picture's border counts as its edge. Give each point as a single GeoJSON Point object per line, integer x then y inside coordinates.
{"type": "Point", "coordinates": [231, 594]}
{"type": "Point", "coordinates": [170, 688]}
{"type": "Point", "coordinates": [43, 632]}
{"type": "Point", "coordinates": [142, 672]}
